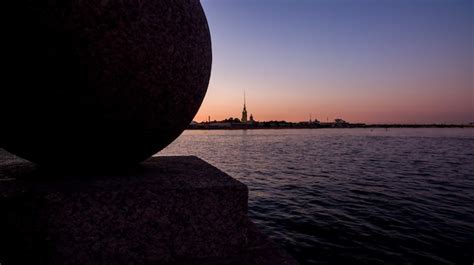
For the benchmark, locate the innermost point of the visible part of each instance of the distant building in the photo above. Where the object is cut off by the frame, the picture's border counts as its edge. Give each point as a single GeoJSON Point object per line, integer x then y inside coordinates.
{"type": "Point", "coordinates": [244, 112]}
{"type": "Point", "coordinates": [251, 119]}
{"type": "Point", "coordinates": [340, 121]}
{"type": "Point", "coordinates": [244, 115]}
{"type": "Point", "coordinates": [220, 125]}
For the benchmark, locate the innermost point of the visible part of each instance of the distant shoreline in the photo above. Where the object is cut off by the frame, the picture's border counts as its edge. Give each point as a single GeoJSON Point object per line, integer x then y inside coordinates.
{"type": "Point", "coordinates": [373, 126]}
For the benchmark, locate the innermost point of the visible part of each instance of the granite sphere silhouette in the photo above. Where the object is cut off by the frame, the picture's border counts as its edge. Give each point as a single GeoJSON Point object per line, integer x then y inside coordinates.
{"type": "Point", "coordinates": [101, 82]}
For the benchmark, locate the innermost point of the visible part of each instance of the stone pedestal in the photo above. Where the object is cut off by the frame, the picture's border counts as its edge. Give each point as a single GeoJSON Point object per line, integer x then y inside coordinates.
{"type": "Point", "coordinates": [168, 210]}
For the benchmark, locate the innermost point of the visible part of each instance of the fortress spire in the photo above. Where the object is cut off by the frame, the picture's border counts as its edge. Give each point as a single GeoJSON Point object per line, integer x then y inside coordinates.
{"type": "Point", "coordinates": [244, 98]}
{"type": "Point", "coordinates": [244, 111]}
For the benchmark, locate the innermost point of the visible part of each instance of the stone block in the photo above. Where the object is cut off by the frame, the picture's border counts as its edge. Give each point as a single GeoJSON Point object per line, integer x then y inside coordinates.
{"type": "Point", "coordinates": [168, 208]}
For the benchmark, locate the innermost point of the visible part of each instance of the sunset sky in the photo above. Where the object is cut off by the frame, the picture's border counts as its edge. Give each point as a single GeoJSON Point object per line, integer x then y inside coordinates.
{"type": "Point", "coordinates": [378, 61]}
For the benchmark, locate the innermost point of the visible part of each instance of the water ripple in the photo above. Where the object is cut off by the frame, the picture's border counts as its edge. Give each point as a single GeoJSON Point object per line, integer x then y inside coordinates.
{"type": "Point", "coordinates": [359, 196]}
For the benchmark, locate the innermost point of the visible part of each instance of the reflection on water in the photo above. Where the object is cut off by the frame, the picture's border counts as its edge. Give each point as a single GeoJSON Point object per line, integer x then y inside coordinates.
{"type": "Point", "coordinates": [397, 196]}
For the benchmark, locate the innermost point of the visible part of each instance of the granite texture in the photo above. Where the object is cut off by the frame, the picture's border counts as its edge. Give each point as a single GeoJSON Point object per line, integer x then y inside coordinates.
{"type": "Point", "coordinates": [100, 83]}
{"type": "Point", "coordinates": [167, 210]}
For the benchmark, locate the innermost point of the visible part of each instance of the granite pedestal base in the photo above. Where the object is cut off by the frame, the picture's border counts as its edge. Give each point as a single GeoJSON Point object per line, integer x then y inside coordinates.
{"type": "Point", "coordinates": [168, 210]}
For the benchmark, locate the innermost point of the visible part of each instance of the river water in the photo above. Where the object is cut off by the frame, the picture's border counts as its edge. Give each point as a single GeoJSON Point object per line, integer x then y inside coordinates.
{"type": "Point", "coordinates": [353, 196]}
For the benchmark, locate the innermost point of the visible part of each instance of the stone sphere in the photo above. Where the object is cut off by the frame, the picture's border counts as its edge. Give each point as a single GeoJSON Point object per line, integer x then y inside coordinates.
{"type": "Point", "coordinates": [101, 82]}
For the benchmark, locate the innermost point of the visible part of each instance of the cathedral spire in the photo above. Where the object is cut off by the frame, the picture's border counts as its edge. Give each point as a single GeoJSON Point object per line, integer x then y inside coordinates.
{"type": "Point", "coordinates": [244, 111]}
{"type": "Point", "coordinates": [244, 98]}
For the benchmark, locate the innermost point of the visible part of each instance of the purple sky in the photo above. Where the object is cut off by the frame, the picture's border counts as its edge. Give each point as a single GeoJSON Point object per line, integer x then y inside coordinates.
{"type": "Point", "coordinates": [376, 61]}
